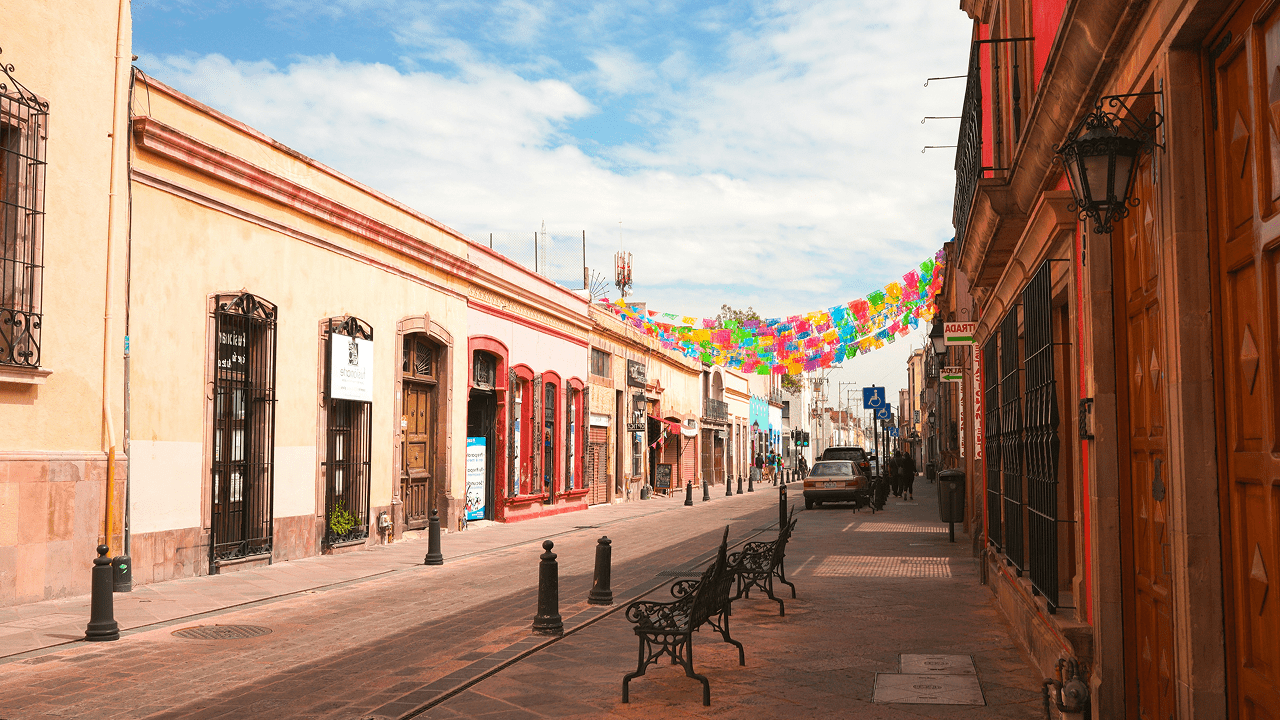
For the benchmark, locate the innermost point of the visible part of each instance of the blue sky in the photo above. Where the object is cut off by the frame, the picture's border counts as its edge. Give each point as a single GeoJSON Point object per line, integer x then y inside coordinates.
{"type": "Point", "coordinates": [756, 153]}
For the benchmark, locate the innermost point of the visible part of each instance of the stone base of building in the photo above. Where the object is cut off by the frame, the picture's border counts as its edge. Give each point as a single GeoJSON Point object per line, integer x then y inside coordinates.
{"type": "Point", "coordinates": [1045, 637]}
{"type": "Point", "coordinates": [570, 502]}
{"type": "Point", "coordinates": [169, 555]}
{"type": "Point", "coordinates": [52, 518]}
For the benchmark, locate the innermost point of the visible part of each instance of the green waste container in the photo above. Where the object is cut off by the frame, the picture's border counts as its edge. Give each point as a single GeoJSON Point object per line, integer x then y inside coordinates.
{"type": "Point", "coordinates": [951, 495]}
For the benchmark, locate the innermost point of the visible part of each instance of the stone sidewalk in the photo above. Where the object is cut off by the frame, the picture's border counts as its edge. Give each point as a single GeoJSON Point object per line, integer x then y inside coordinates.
{"type": "Point", "coordinates": [871, 588]}
{"type": "Point", "coordinates": [454, 640]}
{"type": "Point", "coordinates": [53, 623]}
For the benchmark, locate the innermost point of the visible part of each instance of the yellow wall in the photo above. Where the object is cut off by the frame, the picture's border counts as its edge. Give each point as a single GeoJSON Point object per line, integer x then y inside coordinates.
{"type": "Point", "coordinates": [194, 235]}
{"type": "Point", "coordinates": [65, 53]}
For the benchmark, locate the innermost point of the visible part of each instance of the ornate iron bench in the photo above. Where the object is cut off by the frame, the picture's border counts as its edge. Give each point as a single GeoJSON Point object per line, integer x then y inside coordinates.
{"type": "Point", "coordinates": [758, 563]}
{"type": "Point", "coordinates": [666, 628]}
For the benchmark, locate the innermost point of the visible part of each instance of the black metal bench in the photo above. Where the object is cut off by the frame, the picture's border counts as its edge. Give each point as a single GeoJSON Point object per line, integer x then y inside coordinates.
{"type": "Point", "coordinates": [666, 628]}
{"type": "Point", "coordinates": [758, 563]}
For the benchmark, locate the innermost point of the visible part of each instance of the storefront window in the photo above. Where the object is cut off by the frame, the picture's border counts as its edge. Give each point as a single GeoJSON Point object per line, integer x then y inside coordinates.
{"type": "Point", "coordinates": [638, 408]}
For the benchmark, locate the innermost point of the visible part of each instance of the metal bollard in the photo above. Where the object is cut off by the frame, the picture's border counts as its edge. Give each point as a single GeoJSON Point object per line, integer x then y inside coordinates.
{"type": "Point", "coordinates": [688, 493]}
{"type": "Point", "coordinates": [728, 486]}
{"type": "Point", "coordinates": [782, 505]}
{"type": "Point", "coordinates": [706, 491]}
{"type": "Point", "coordinates": [102, 622]}
{"type": "Point", "coordinates": [739, 484]}
{"type": "Point", "coordinates": [600, 593]}
{"type": "Point", "coordinates": [751, 481]}
{"type": "Point", "coordinates": [433, 541]}
{"type": "Point", "coordinates": [547, 621]}
{"type": "Point", "coordinates": [122, 573]}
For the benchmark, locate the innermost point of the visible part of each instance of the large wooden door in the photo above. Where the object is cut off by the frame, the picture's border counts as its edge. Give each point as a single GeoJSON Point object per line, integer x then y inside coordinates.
{"type": "Point", "coordinates": [1148, 592]}
{"type": "Point", "coordinates": [415, 480]}
{"type": "Point", "coordinates": [1244, 59]}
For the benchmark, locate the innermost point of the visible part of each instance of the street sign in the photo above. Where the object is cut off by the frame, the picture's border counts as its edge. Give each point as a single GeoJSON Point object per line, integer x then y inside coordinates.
{"type": "Point", "coordinates": [893, 432]}
{"type": "Point", "coordinates": [952, 374]}
{"type": "Point", "coordinates": [885, 413]}
{"type": "Point", "coordinates": [872, 398]}
{"type": "Point", "coordinates": [959, 333]}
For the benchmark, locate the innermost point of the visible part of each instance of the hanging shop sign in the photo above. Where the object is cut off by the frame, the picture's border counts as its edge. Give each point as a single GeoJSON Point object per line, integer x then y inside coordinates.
{"type": "Point", "coordinates": [952, 374]}
{"type": "Point", "coordinates": [959, 333]}
{"type": "Point", "coordinates": [637, 375]}
{"type": "Point", "coordinates": [350, 368]}
{"type": "Point", "coordinates": [476, 457]}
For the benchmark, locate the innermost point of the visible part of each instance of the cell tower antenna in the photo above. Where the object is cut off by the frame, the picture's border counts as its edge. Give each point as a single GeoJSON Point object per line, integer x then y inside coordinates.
{"type": "Point", "coordinates": [622, 272]}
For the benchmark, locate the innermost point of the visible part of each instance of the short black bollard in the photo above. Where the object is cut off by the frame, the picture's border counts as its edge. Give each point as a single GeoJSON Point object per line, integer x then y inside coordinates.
{"type": "Point", "coordinates": [600, 593]}
{"type": "Point", "coordinates": [728, 486]}
{"type": "Point", "coordinates": [751, 482]}
{"type": "Point", "coordinates": [547, 621]}
{"type": "Point", "coordinates": [102, 622]}
{"type": "Point", "coordinates": [706, 491]}
{"type": "Point", "coordinates": [739, 484]}
{"type": "Point", "coordinates": [782, 505]}
{"type": "Point", "coordinates": [688, 493]}
{"type": "Point", "coordinates": [433, 541]}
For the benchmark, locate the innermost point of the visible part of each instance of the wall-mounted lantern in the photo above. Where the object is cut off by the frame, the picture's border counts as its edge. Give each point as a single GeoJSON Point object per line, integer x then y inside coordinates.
{"type": "Point", "coordinates": [1101, 157]}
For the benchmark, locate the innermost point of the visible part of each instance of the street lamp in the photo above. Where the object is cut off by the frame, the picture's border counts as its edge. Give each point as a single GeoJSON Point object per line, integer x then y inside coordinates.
{"type": "Point", "coordinates": [1101, 158]}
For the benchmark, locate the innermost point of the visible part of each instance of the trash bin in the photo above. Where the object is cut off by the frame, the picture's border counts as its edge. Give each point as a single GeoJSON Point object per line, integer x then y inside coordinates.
{"type": "Point", "coordinates": [931, 471]}
{"type": "Point", "coordinates": [951, 494]}
{"type": "Point", "coordinates": [122, 574]}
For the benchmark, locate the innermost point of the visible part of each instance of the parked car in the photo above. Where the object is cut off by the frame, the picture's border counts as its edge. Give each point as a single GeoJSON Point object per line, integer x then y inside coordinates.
{"type": "Point", "coordinates": [837, 481]}
{"type": "Point", "coordinates": [849, 452]}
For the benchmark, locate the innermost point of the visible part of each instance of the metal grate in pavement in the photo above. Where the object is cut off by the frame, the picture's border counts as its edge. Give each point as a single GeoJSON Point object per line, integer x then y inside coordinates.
{"type": "Point", "coordinates": [221, 632]}
{"type": "Point", "coordinates": [928, 689]}
{"type": "Point", "coordinates": [898, 528]}
{"type": "Point", "coordinates": [939, 664]}
{"type": "Point", "coordinates": [886, 567]}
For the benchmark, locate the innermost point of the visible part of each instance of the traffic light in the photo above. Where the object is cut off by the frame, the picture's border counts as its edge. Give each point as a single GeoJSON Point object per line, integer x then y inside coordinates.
{"type": "Point", "coordinates": [804, 438]}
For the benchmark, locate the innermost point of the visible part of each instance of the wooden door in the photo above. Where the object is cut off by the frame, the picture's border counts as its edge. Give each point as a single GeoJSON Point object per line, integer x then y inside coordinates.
{"type": "Point", "coordinates": [1148, 597]}
{"type": "Point", "coordinates": [598, 466]}
{"type": "Point", "coordinates": [415, 480]}
{"type": "Point", "coordinates": [1244, 59]}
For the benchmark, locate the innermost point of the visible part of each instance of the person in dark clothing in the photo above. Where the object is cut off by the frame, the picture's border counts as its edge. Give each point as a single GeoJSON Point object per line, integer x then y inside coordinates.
{"type": "Point", "coordinates": [758, 470]}
{"type": "Point", "coordinates": [907, 468]}
{"type": "Point", "coordinates": [891, 473]}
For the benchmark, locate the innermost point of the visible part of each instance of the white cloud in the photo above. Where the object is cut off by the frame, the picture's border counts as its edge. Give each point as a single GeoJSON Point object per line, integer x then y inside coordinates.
{"type": "Point", "coordinates": [790, 178]}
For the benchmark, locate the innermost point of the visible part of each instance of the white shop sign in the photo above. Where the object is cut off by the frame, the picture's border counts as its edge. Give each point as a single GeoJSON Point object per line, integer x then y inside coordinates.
{"type": "Point", "coordinates": [350, 368]}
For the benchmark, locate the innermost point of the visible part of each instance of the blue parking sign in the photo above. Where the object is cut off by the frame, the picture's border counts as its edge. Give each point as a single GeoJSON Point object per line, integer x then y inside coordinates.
{"type": "Point", "coordinates": [872, 398]}
{"type": "Point", "coordinates": [893, 432]}
{"type": "Point", "coordinates": [885, 413]}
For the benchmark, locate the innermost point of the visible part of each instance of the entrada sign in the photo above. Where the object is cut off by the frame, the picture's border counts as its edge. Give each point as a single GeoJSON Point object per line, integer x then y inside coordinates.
{"type": "Point", "coordinates": [959, 333]}
{"type": "Point", "coordinates": [952, 374]}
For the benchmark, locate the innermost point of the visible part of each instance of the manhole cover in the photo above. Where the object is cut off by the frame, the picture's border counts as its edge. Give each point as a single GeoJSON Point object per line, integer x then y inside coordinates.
{"type": "Point", "coordinates": [221, 632]}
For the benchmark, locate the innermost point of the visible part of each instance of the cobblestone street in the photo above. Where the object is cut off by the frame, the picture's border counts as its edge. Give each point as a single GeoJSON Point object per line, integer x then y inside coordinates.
{"type": "Point", "coordinates": [454, 641]}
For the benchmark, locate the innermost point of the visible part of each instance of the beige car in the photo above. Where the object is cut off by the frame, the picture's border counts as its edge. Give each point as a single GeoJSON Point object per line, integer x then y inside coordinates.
{"type": "Point", "coordinates": [837, 481]}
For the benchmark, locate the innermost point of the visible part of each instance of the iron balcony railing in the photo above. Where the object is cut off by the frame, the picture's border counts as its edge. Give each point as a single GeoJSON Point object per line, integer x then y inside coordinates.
{"type": "Point", "coordinates": [717, 410]}
{"type": "Point", "coordinates": [1007, 77]}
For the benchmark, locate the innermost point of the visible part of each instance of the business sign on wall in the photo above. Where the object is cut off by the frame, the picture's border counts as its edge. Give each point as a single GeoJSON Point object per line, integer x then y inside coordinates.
{"type": "Point", "coordinates": [476, 456]}
{"type": "Point", "coordinates": [959, 333]}
{"type": "Point", "coordinates": [979, 436]}
{"type": "Point", "coordinates": [350, 368]}
{"type": "Point", "coordinates": [233, 349]}
{"type": "Point", "coordinates": [636, 374]}
{"type": "Point", "coordinates": [952, 374]}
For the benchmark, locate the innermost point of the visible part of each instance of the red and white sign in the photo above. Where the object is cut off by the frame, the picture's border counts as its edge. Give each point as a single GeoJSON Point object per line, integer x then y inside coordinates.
{"type": "Point", "coordinates": [959, 333]}
{"type": "Point", "coordinates": [979, 437]}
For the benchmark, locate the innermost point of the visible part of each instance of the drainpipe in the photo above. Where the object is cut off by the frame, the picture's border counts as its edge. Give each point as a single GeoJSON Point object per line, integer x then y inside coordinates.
{"type": "Point", "coordinates": [117, 136]}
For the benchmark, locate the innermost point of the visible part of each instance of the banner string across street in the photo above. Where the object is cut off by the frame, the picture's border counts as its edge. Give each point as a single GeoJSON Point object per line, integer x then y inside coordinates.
{"type": "Point", "coordinates": [799, 343]}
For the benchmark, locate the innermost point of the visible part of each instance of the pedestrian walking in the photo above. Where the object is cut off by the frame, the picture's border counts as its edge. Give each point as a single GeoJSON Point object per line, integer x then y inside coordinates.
{"type": "Point", "coordinates": [803, 467]}
{"type": "Point", "coordinates": [777, 468]}
{"type": "Point", "coordinates": [757, 472]}
{"type": "Point", "coordinates": [891, 472]}
{"type": "Point", "coordinates": [908, 470]}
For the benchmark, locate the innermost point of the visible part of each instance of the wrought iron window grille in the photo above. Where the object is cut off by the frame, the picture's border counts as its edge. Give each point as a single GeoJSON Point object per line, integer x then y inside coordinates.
{"type": "Point", "coordinates": [1040, 437]}
{"type": "Point", "coordinates": [995, 498]}
{"type": "Point", "coordinates": [1011, 448]}
{"type": "Point", "coordinates": [244, 397]}
{"type": "Point", "coordinates": [348, 447]}
{"type": "Point", "coordinates": [23, 134]}
{"type": "Point", "coordinates": [968, 165]}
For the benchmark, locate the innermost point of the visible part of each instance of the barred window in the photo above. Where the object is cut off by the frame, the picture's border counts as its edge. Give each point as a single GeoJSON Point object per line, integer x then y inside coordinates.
{"type": "Point", "coordinates": [23, 122]}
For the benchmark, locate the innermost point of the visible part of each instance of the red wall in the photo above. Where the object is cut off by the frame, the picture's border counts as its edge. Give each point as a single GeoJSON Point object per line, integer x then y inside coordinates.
{"type": "Point", "coordinates": [1046, 16]}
